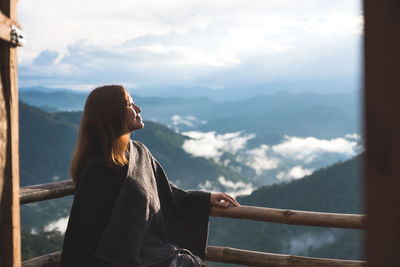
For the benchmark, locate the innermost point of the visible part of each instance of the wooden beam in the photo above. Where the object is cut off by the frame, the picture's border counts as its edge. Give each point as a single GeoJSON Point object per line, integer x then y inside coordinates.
{"type": "Point", "coordinates": [47, 260]}
{"type": "Point", "coordinates": [255, 258]}
{"type": "Point", "coordinates": [5, 28]}
{"type": "Point", "coordinates": [382, 130]}
{"type": "Point", "coordinates": [8, 21]}
{"type": "Point", "coordinates": [298, 217]}
{"type": "Point", "coordinates": [10, 242]}
{"type": "Point", "coordinates": [34, 193]}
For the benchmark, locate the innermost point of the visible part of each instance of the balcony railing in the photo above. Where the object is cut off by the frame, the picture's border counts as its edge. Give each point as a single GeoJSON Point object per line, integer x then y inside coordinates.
{"type": "Point", "coordinates": [42, 192]}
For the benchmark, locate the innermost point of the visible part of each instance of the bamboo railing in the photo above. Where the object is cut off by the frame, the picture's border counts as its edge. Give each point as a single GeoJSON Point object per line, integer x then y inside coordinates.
{"type": "Point", "coordinates": [41, 192]}
{"type": "Point", "coordinates": [231, 255]}
{"type": "Point", "coordinates": [53, 190]}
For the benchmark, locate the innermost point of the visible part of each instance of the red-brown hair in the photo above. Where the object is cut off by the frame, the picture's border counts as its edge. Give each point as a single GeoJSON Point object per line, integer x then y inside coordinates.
{"type": "Point", "coordinates": [103, 129]}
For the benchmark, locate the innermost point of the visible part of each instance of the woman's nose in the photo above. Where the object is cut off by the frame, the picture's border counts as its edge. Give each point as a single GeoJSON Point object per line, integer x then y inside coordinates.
{"type": "Point", "coordinates": [138, 109]}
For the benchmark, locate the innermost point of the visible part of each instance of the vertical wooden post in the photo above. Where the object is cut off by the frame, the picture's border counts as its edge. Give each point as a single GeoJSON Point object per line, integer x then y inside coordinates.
{"type": "Point", "coordinates": [10, 241]}
{"type": "Point", "coordinates": [382, 129]}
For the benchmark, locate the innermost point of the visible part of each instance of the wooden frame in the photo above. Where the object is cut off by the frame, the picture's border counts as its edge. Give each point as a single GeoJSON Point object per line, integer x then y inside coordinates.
{"type": "Point", "coordinates": [382, 129]}
{"type": "Point", "coordinates": [10, 243]}
{"type": "Point", "coordinates": [5, 26]}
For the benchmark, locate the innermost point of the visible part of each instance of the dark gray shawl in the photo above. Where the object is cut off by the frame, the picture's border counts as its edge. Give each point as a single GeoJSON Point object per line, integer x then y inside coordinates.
{"type": "Point", "coordinates": [151, 219]}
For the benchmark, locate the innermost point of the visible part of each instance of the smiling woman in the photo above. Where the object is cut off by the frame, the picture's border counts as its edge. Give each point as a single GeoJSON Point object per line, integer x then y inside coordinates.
{"type": "Point", "coordinates": [125, 211]}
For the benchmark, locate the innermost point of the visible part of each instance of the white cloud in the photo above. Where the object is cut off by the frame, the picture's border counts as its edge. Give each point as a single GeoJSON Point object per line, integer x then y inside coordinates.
{"type": "Point", "coordinates": [309, 241]}
{"type": "Point", "coordinates": [188, 43]}
{"type": "Point", "coordinates": [296, 172]}
{"type": "Point", "coordinates": [308, 148]}
{"type": "Point", "coordinates": [212, 145]}
{"type": "Point", "coordinates": [258, 160]}
{"type": "Point", "coordinates": [334, 23]}
{"type": "Point", "coordinates": [294, 158]}
{"type": "Point", "coordinates": [125, 20]}
{"type": "Point", "coordinates": [354, 136]}
{"type": "Point", "coordinates": [60, 225]}
{"type": "Point", "coordinates": [233, 189]}
{"type": "Point", "coordinates": [176, 120]}
{"type": "Point", "coordinates": [207, 186]}
{"type": "Point", "coordinates": [189, 121]}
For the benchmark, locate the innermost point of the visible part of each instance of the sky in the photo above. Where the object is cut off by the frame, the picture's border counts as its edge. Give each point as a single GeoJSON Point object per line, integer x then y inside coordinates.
{"type": "Point", "coordinates": [192, 47]}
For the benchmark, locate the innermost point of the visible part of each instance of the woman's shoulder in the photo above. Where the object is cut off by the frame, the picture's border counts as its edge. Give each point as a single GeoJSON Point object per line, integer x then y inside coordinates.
{"type": "Point", "coordinates": [140, 146]}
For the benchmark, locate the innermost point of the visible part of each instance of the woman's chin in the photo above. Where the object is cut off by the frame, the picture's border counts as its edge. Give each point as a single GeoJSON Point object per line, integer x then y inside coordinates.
{"type": "Point", "coordinates": [139, 126]}
{"type": "Point", "coordinates": [136, 127]}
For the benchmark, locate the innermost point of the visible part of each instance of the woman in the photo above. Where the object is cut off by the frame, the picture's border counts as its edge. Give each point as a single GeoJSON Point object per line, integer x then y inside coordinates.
{"type": "Point", "coordinates": [125, 211]}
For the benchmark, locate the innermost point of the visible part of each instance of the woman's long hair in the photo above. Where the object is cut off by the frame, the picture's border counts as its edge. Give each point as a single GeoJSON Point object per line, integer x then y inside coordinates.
{"type": "Point", "coordinates": [103, 131]}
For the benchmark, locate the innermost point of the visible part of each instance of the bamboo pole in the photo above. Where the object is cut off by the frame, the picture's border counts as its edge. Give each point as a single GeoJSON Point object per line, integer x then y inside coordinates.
{"type": "Point", "coordinates": [47, 260]}
{"type": "Point", "coordinates": [254, 258]}
{"type": "Point", "coordinates": [233, 256]}
{"type": "Point", "coordinates": [41, 192]}
{"type": "Point", "coordinates": [286, 216]}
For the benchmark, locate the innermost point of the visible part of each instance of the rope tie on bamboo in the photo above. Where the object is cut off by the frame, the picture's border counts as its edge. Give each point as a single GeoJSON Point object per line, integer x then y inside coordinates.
{"type": "Point", "coordinates": [224, 252]}
{"type": "Point", "coordinates": [285, 217]}
{"type": "Point", "coordinates": [290, 259]}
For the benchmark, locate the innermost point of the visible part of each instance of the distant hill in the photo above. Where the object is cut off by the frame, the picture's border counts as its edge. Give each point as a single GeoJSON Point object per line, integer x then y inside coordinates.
{"type": "Point", "coordinates": [271, 117]}
{"type": "Point", "coordinates": [55, 101]}
{"type": "Point", "coordinates": [46, 145]}
{"type": "Point", "coordinates": [333, 189]}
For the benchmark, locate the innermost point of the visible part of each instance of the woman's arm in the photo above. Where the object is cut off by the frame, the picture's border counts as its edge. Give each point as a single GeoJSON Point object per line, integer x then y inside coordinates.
{"type": "Point", "coordinates": [189, 199]}
{"type": "Point", "coordinates": [215, 198]}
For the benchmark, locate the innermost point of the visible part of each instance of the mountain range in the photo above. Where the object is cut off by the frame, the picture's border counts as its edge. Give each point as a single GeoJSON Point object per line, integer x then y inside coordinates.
{"type": "Point", "coordinates": [270, 117]}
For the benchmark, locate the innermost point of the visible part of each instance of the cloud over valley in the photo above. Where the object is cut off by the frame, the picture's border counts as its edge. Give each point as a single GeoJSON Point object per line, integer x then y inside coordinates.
{"type": "Point", "coordinates": [293, 158]}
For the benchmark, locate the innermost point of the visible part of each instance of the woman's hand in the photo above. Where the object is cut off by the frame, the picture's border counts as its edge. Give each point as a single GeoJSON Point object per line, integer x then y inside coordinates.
{"type": "Point", "coordinates": [216, 198]}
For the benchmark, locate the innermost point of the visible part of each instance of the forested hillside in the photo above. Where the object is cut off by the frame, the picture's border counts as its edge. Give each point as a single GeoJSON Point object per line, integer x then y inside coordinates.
{"type": "Point", "coordinates": [333, 189]}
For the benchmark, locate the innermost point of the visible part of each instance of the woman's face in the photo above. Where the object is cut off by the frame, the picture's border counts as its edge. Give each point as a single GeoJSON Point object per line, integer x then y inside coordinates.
{"type": "Point", "coordinates": [134, 120]}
